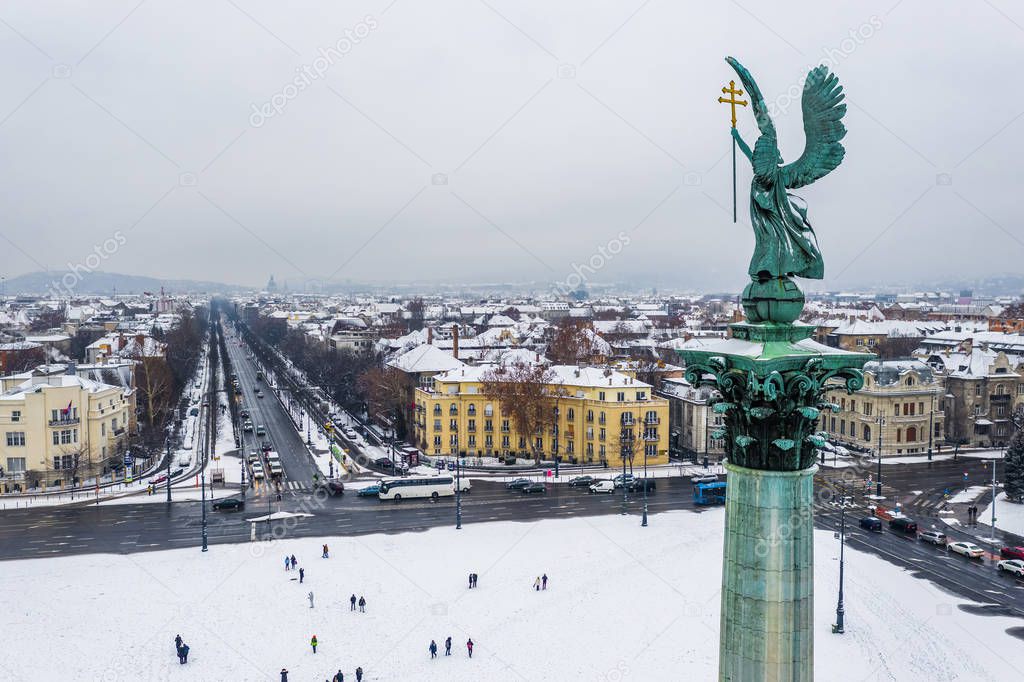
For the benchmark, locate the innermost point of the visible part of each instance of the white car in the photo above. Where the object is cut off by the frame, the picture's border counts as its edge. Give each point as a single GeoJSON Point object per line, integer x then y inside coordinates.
{"type": "Point", "coordinates": [603, 487]}
{"type": "Point", "coordinates": [1014, 566]}
{"type": "Point", "coordinates": [257, 471]}
{"type": "Point", "coordinates": [967, 549]}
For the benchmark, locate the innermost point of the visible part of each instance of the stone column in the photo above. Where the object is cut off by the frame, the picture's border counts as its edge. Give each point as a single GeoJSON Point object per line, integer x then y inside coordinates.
{"type": "Point", "coordinates": [768, 577]}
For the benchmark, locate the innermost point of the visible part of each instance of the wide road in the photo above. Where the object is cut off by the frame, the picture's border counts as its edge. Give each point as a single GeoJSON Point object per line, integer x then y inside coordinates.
{"type": "Point", "coordinates": [268, 411]}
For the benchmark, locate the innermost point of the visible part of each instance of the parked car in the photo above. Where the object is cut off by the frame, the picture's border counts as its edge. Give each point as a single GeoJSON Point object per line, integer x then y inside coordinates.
{"type": "Point", "coordinates": [622, 479]}
{"type": "Point", "coordinates": [1012, 566]}
{"type": "Point", "coordinates": [604, 486]}
{"type": "Point", "coordinates": [703, 478]}
{"type": "Point", "coordinates": [871, 523]}
{"type": "Point", "coordinates": [349, 433]}
{"type": "Point", "coordinates": [1012, 552]}
{"type": "Point", "coordinates": [369, 491]}
{"type": "Point", "coordinates": [229, 503]}
{"type": "Point", "coordinates": [178, 470]}
{"type": "Point", "coordinates": [903, 525]}
{"type": "Point", "coordinates": [517, 484]}
{"type": "Point", "coordinates": [156, 480]}
{"type": "Point", "coordinates": [637, 485]}
{"type": "Point", "coordinates": [534, 488]}
{"type": "Point", "coordinates": [933, 536]}
{"type": "Point", "coordinates": [247, 426]}
{"type": "Point", "coordinates": [333, 486]}
{"type": "Point", "coordinates": [967, 549]}
{"type": "Point", "coordinates": [259, 393]}
{"type": "Point", "coordinates": [582, 482]}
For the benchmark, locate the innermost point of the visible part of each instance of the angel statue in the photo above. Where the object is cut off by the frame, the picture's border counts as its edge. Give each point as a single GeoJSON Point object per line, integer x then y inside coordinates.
{"type": "Point", "coordinates": [785, 241]}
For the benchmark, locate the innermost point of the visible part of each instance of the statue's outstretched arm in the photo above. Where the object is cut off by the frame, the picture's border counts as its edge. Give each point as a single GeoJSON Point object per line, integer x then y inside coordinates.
{"type": "Point", "coordinates": [743, 145]}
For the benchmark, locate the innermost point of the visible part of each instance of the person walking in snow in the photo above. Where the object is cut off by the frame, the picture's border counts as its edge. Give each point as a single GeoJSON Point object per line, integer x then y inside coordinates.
{"type": "Point", "coordinates": [177, 642]}
{"type": "Point", "coordinates": [310, 597]}
{"type": "Point", "coordinates": [543, 581]}
{"type": "Point", "coordinates": [287, 563]}
{"type": "Point", "coordinates": [359, 675]}
{"type": "Point", "coordinates": [184, 653]}
{"type": "Point", "coordinates": [362, 605]}
{"type": "Point", "coordinates": [352, 603]}
{"type": "Point", "coordinates": [338, 677]}
{"type": "Point", "coordinates": [448, 646]}
{"type": "Point", "coordinates": [433, 649]}
{"type": "Point", "coordinates": [470, 581]}
{"type": "Point", "coordinates": [325, 555]}
{"type": "Point", "coordinates": [293, 562]}
{"type": "Point", "coordinates": [181, 656]}
{"type": "Point", "coordinates": [536, 584]}
{"type": "Point", "coordinates": [312, 643]}
{"type": "Point", "coordinates": [284, 675]}
{"type": "Point", "coordinates": [469, 646]}
{"type": "Point", "coordinates": [302, 575]}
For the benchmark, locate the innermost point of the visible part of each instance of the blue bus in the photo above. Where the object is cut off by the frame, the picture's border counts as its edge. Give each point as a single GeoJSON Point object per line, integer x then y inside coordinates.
{"type": "Point", "coordinates": [709, 493]}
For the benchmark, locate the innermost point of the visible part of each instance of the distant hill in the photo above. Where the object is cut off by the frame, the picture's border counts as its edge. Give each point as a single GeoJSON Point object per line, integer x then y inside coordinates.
{"type": "Point", "coordinates": [63, 283]}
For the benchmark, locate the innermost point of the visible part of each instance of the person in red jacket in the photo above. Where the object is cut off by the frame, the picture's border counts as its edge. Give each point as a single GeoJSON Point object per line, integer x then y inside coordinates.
{"type": "Point", "coordinates": [469, 646]}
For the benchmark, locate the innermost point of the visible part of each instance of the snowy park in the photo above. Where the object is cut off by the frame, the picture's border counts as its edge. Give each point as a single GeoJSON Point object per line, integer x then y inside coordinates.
{"type": "Point", "coordinates": [621, 603]}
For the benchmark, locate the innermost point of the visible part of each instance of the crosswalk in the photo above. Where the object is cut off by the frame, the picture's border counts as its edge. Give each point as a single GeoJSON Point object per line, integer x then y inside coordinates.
{"type": "Point", "coordinates": [286, 486]}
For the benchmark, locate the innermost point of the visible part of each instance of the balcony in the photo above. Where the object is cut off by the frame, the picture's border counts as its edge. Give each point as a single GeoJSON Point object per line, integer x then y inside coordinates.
{"type": "Point", "coordinates": [70, 421]}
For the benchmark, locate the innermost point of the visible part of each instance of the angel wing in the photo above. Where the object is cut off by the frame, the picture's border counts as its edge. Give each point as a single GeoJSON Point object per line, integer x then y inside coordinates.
{"type": "Point", "coordinates": [764, 121]}
{"type": "Point", "coordinates": [823, 127]}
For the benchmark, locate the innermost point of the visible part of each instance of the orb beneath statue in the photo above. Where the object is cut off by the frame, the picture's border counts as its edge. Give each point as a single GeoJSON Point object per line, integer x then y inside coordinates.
{"type": "Point", "coordinates": [777, 299]}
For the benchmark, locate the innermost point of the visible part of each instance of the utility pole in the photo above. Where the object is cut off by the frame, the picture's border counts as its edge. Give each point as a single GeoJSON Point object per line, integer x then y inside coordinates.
{"type": "Point", "coordinates": [643, 523]}
{"type": "Point", "coordinates": [994, 495]}
{"type": "Point", "coordinates": [458, 493]}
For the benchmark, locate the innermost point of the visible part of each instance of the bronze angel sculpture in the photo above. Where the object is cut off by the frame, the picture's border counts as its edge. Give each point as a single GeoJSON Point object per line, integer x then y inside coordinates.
{"type": "Point", "coordinates": [785, 241]}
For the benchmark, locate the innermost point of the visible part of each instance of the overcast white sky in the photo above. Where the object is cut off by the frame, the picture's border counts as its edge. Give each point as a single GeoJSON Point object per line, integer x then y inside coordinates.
{"type": "Point", "coordinates": [558, 125]}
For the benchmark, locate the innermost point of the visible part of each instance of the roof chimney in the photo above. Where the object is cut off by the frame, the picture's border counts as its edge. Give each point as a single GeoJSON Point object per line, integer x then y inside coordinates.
{"type": "Point", "coordinates": [455, 341]}
{"type": "Point", "coordinates": [430, 336]}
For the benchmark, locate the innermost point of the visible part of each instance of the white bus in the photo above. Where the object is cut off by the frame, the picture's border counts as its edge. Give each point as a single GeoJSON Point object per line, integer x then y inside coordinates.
{"type": "Point", "coordinates": [398, 489]}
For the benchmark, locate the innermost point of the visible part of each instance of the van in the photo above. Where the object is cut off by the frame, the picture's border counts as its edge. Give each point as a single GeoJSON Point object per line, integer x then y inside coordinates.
{"type": "Point", "coordinates": [903, 525]}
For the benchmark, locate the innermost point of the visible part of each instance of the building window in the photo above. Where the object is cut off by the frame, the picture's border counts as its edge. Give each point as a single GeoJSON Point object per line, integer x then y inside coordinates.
{"type": "Point", "coordinates": [437, 441]}
{"type": "Point", "coordinates": [601, 434]}
{"type": "Point", "coordinates": [601, 453]}
{"type": "Point", "coordinates": [453, 440]}
{"type": "Point", "coordinates": [471, 425]}
{"type": "Point", "coordinates": [437, 424]}
{"type": "Point", "coordinates": [570, 414]}
{"type": "Point", "coordinates": [627, 418]}
{"type": "Point", "coordinates": [641, 395]}
{"type": "Point", "coordinates": [504, 426]}
{"type": "Point", "coordinates": [651, 450]}
{"type": "Point", "coordinates": [16, 414]}
{"type": "Point", "coordinates": [570, 447]}
{"type": "Point", "coordinates": [472, 441]}
{"type": "Point", "coordinates": [64, 462]}
{"type": "Point", "coordinates": [867, 433]}
{"type": "Point", "coordinates": [437, 409]}
{"type": "Point", "coordinates": [600, 419]}
{"type": "Point", "coordinates": [842, 427]}
{"type": "Point", "coordinates": [867, 409]}
{"type": "Point", "coordinates": [488, 410]}
{"type": "Point", "coordinates": [488, 441]}
{"type": "Point", "coordinates": [103, 428]}
{"type": "Point", "coordinates": [453, 409]}
{"type": "Point", "coordinates": [15, 439]}
{"type": "Point", "coordinates": [15, 465]}
{"type": "Point", "coordinates": [471, 410]}
{"type": "Point", "coordinates": [899, 435]}
{"type": "Point", "coordinates": [600, 395]}
{"type": "Point", "coordinates": [453, 424]}
{"type": "Point", "coordinates": [590, 450]}
{"type": "Point", "coordinates": [488, 425]}
{"type": "Point", "coordinates": [920, 408]}
{"type": "Point", "coordinates": [621, 396]}
{"type": "Point", "coordinates": [504, 442]}
{"type": "Point", "coordinates": [912, 434]}
{"type": "Point", "coordinates": [896, 410]}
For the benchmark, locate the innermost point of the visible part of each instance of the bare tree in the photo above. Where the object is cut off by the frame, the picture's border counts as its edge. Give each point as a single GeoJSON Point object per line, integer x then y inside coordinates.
{"type": "Point", "coordinates": [572, 342]}
{"type": "Point", "coordinates": [155, 383]}
{"type": "Point", "coordinates": [522, 392]}
{"type": "Point", "coordinates": [895, 347]}
{"type": "Point", "coordinates": [387, 391]}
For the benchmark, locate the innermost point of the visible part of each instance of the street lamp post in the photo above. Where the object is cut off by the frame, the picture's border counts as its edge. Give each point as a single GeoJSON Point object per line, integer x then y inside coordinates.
{"type": "Point", "coordinates": [838, 628]}
{"type": "Point", "coordinates": [624, 449]}
{"type": "Point", "coordinates": [458, 493]}
{"type": "Point", "coordinates": [167, 444]}
{"type": "Point", "coordinates": [878, 482]}
{"type": "Point", "coordinates": [931, 427]}
{"type": "Point", "coordinates": [643, 523]}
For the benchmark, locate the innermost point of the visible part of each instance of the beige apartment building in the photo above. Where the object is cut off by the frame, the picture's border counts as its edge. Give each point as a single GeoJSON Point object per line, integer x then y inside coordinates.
{"type": "Point", "coordinates": [901, 402]}
{"type": "Point", "coordinates": [61, 427]}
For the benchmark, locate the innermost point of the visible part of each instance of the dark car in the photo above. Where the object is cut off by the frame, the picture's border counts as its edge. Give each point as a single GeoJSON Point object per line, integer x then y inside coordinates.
{"type": "Point", "coordinates": [517, 484]}
{"type": "Point", "coordinates": [581, 482]}
{"type": "Point", "coordinates": [229, 503]}
{"type": "Point", "coordinates": [534, 488]}
{"type": "Point", "coordinates": [369, 491]}
{"type": "Point", "coordinates": [637, 485]}
{"type": "Point", "coordinates": [1012, 552]}
{"type": "Point", "coordinates": [903, 525]}
{"type": "Point", "coordinates": [244, 414]}
{"type": "Point", "coordinates": [333, 486]}
{"type": "Point", "coordinates": [384, 462]}
{"type": "Point", "coordinates": [872, 524]}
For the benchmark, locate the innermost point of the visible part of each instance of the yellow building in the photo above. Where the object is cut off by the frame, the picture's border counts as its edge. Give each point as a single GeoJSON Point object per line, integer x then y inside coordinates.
{"type": "Point", "coordinates": [61, 427]}
{"type": "Point", "coordinates": [598, 414]}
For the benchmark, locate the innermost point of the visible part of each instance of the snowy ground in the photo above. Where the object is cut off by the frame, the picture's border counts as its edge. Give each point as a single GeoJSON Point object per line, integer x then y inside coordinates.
{"type": "Point", "coordinates": [1009, 515]}
{"type": "Point", "coordinates": [969, 495]}
{"type": "Point", "coordinates": [623, 603]}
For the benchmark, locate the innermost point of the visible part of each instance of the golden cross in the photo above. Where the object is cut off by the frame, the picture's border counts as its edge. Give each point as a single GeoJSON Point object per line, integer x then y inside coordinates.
{"type": "Point", "coordinates": [732, 101]}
